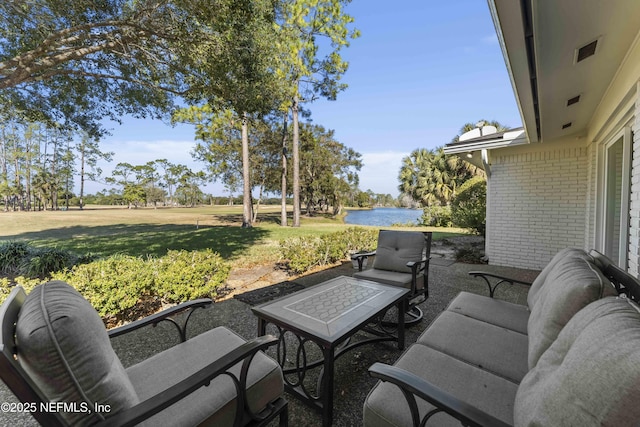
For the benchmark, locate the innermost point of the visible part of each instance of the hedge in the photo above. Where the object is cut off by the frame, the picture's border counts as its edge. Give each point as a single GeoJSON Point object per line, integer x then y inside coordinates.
{"type": "Point", "coordinates": [120, 285]}
{"type": "Point", "coordinates": [469, 206]}
{"type": "Point", "coordinates": [301, 254]}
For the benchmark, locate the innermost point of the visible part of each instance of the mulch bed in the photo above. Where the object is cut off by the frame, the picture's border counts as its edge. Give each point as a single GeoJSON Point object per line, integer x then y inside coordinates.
{"type": "Point", "coordinates": [268, 293]}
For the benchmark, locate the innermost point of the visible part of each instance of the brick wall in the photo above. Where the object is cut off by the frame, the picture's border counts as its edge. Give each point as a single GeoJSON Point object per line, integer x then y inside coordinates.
{"type": "Point", "coordinates": [538, 205]}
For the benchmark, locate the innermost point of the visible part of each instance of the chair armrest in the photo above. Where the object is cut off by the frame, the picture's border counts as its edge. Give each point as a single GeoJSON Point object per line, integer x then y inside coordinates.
{"type": "Point", "coordinates": [501, 279]}
{"type": "Point", "coordinates": [164, 315]}
{"type": "Point", "coordinates": [203, 377]}
{"type": "Point", "coordinates": [415, 265]}
{"type": "Point", "coordinates": [411, 385]}
{"type": "Point", "coordinates": [360, 258]}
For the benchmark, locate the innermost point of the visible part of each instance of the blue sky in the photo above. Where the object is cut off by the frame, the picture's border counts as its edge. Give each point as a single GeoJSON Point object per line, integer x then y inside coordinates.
{"type": "Point", "coordinates": [419, 71]}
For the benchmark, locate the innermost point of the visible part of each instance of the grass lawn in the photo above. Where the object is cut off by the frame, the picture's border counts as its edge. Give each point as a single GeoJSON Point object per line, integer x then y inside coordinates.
{"type": "Point", "coordinates": [105, 231]}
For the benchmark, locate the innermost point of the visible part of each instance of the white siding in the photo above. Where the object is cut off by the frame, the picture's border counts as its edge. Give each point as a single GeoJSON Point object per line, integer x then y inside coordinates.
{"type": "Point", "coordinates": [634, 215]}
{"type": "Point", "coordinates": [590, 221]}
{"type": "Point", "coordinates": [538, 205]}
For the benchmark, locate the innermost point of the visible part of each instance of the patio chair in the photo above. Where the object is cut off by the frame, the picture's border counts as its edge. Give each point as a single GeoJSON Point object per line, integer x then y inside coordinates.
{"type": "Point", "coordinates": [56, 357]}
{"type": "Point", "coordinates": [401, 259]}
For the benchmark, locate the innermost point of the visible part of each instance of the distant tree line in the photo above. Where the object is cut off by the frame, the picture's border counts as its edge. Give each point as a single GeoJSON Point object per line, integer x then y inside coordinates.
{"type": "Point", "coordinates": [68, 65]}
{"type": "Point", "coordinates": [40, 166]}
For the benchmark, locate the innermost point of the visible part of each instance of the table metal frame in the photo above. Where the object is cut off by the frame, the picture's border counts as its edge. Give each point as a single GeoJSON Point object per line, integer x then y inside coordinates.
{"type": "Point", "coordinates": [342, 307]}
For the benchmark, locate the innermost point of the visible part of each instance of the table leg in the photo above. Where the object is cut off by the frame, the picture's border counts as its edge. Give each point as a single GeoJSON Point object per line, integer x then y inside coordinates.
{"type": "Point", "coordinates": [262, 327]}
{"type": "Point", "coordinates": [327, 388]}
{"type": "Point", "coordinates": [401, 314]}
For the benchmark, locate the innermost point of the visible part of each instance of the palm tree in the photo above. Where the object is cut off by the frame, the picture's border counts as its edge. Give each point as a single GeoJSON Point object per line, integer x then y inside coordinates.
{"type": "Point", "coordinates": [432, 177]}
{"type": "Point", "coordinates": [413, 177]}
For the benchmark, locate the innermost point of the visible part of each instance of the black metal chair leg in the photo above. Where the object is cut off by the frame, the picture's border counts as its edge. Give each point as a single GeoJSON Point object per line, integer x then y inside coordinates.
{"type": "Point", "coordinates": [413, 316]}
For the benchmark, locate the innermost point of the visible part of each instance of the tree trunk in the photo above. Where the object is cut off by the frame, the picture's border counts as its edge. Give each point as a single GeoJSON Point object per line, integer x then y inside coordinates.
{"type": "Point", "coordinates": [82, 161]}
{"type": "Point", "coordinates": [296, 163]}
{"type": "Point", "coordinates": [283, 211]}
{"type": "Point", "coordinates": [246, 200]}
{"type": "Point", "coordinates": [255, 210]}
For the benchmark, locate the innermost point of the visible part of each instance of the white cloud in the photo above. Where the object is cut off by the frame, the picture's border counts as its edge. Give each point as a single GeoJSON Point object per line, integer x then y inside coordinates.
{"type": "Point", "coordinates": [141, 152]}
{"type": "Point", "coordinates": [380, 171]}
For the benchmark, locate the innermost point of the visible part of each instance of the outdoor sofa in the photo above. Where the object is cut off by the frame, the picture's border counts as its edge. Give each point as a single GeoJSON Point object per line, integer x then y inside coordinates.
{"type": "Point", "coordinates": [571, 357]}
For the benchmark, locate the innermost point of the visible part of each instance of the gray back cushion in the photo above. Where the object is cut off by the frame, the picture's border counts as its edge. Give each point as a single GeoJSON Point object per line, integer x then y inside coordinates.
{"type": "Point", "coordinates": [539, 282]}
{"type": "Point", "coordinates": [397, 248]}
{"type": "Point", "coordinates": [64, 346]}
{"type": "Point", "coordinates": [590, 376]}
{"type": "Point", "coordinates": [572, 284]}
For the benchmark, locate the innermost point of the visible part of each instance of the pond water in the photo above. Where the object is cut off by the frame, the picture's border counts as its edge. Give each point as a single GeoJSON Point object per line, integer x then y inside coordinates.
{"type": "Point", "coordinates": [383, 216]}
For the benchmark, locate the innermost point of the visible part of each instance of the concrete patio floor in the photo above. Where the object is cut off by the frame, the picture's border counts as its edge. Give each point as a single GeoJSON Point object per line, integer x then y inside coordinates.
{"type": "Point", "coordinates": [352, 382]}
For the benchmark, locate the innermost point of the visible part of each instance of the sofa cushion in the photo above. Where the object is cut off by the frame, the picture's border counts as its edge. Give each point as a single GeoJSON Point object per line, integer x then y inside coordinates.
{"type": "Point", "coordinates": [501, 351]}
{"type": "Point", "coordinates": [539, 281]}
{"type": "Point", "coordinates": [393, 278]}
{"type": "Point", "coordinates": [491, 310]}
{"type": "Point", "coordinates": [63, 345]}
{"type": "Point", "coordinates": [590, 375]}
{"type": "Point", "coordinates": [572, 284]}
{"type": "Point", "coordinates": [396, 248]}
{"type": "Point", "coordinates": [214, 404]}
{"type": "Point", "coordinates": [385, 405]}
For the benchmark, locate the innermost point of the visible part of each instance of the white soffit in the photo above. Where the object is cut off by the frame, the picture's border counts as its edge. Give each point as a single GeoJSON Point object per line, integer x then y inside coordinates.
{"type": "Point", "coordinates": [559, 28]}
{"type": "Point", "coordinates": [562, 27]}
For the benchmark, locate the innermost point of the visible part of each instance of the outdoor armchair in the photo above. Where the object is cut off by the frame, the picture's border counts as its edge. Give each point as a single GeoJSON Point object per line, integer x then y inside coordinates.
{"type": "Point", "coordinates": [401, 259]}
{"type": "Point", "coordinates": [56, 357]}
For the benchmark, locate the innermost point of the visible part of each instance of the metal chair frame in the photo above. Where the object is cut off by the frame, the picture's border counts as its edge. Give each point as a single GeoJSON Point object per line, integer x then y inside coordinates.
{"type": "Point", "coordinates": [25, 389]}
{"type": "Point", "coordinates": [416, 296]}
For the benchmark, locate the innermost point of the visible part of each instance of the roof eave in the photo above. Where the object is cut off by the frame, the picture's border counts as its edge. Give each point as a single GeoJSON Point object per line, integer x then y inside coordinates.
{"type": "Point", "coordinates": [510, 139]}
{"type": "Point", "coordinates": [519, 57]}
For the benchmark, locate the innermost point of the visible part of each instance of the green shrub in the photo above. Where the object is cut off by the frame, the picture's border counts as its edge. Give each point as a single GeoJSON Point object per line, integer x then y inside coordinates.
{"type": "Point", "coordinates": [120, 287]}
{"type": "Point", "coordinates": [301, 254]}
{"type": "Point", "coordinates": [469, 206]}
{"type": "Point", "coordinates": [112, 285]}
{"type": "Point", "coordinates": [7, 285]}
{"type": "Point", "coordinates": [115, 286]}
{"type": "Point", "coordinates": [184, 276]}
{"type": "Point", "coordinates": [42, 262]}
{"type": "Point", "coordinates": [21, 258]}
{"type": "Point", "coordinates": [436, 216]}
{"type": "Point", "coordinates": [12, 256]}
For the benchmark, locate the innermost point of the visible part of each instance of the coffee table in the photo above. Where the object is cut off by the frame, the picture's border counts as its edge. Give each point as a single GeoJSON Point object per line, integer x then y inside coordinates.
{"type": "Point", "coordinates": [329, 314]}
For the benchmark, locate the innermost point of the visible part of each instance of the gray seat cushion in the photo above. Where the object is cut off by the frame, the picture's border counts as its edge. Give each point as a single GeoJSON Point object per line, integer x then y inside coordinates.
{"type": "Point", "coordinates": [63, 345]}
{"type": "Point", "coordinates": [497, 350]}
{"type": "Point", "coordinates": [397, 248]}
{"type": "Point", "coordinates": [385, 405]}
{"type": "Point", "coordinates": [490, 310]}
{"type": "Point", "coordinates": [590, 375]}
{"type": "Point", "coordinates": [572, 284]}
{"type": "Point", "coordinates": [215, 404]}
{"type": "Point", "coordinates": [393, 278]}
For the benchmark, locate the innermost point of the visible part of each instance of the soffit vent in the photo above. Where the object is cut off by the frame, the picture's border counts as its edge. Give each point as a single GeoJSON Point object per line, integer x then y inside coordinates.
{"type": "Point", "coordinates": [586, 51]}
{"type": "Point", "coordinates": [573, 100]}
{"type": "Point", "coordinates": [566, 125]}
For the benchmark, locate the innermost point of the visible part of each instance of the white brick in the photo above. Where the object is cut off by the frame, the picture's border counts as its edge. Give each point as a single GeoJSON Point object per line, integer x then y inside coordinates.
{"type": "Point", "coordinates": [539, 205]}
